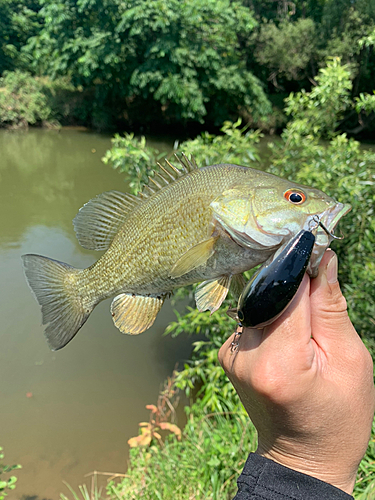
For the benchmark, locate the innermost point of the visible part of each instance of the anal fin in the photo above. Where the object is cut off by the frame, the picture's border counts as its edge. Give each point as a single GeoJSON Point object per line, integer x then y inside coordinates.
{"type": "Point", "coordinates": [133, 314]}
{"type": "Point", "coordinates": [210, 294]}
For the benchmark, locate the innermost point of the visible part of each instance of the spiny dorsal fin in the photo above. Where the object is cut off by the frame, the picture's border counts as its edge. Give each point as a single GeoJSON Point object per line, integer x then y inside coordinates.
{"type": "Point", "coordinates": [99, 220]}
{"type": "Point", "coordinates": [168, 174]}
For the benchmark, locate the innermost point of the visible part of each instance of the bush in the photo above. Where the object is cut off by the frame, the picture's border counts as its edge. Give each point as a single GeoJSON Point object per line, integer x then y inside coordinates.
{"type": "Point", "coordinates": [134, 158]}
{"type": "Point", "coordinates": [204, 464]}
{"type": "Point", "coordinates": [26, 100]}
{"type": "Point", "coordinates": [22, 101]}
{"type": "Point", "coordinates": [343, 170]}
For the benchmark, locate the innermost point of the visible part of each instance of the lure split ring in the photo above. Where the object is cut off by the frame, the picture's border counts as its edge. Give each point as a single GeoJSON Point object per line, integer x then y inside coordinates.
{"type": "Point", "coordinates": [236, 340]}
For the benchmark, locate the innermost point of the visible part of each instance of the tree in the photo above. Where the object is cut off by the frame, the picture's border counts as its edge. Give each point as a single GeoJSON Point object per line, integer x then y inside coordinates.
{"type": "Point", "coordinates": [18, 21]}
{"type": "Point", "coordinates": [286, 49]}
{"type": "Point", "coordinates": [186, 60]}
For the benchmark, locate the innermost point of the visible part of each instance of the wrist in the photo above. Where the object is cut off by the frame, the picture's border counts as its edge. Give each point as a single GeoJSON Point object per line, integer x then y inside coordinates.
{"type": "Point", "coordinates": [314, 466]}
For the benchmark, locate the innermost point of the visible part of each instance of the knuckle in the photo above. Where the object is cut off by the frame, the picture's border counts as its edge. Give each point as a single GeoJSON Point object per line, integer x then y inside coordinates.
{"type": "Point", "coordinates": [337, 302]}
{"type": "Point", "coordinates": [266, 380]}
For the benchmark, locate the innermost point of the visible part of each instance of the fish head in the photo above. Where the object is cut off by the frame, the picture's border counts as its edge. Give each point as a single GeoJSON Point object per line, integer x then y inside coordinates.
{"type": "Point", "coordinates": [271, 213]}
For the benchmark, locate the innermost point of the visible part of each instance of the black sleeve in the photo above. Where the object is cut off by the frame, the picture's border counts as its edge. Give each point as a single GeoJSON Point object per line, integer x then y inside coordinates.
{"type": "Point", "coordinates": [264, 479]}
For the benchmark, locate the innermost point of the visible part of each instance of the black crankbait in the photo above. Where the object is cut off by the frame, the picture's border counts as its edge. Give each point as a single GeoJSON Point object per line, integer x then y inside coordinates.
{"type": "Point", "coordinates": [271, 289]}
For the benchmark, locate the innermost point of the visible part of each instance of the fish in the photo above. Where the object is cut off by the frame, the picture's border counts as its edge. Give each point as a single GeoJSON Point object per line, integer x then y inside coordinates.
{"type": "Point", "coordinates": [188, 225]}
{"type": "Point", "coordinates": [271, 289]}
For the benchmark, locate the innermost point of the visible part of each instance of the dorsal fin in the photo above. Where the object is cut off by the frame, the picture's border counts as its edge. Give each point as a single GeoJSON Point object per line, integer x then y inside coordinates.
{"type": "Point", "coordinates": [164, 175]}
{"type": "Point", "coordinates": [99, 220]}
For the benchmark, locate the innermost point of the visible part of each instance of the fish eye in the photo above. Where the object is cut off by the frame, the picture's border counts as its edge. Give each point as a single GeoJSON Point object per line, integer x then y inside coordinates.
{"type": "Point", "coordinates": [296, 197]}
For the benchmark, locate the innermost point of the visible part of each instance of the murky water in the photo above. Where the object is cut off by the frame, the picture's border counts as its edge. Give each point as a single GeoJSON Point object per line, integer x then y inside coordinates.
{"type": "Point", "coordinates": [65, 414]}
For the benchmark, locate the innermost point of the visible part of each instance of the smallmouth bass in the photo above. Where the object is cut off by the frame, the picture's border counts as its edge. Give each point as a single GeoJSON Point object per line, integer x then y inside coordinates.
{"type": "Point", "coordinates": [189, 225]}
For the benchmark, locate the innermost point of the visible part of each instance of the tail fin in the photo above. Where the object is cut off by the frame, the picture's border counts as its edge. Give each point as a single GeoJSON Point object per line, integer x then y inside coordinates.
{"type": "Point", "coordinates": [52, 283]}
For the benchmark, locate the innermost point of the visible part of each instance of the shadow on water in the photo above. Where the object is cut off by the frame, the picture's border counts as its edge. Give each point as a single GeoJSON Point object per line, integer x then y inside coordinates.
{"type": "Point", "coordinates": [66, 413]}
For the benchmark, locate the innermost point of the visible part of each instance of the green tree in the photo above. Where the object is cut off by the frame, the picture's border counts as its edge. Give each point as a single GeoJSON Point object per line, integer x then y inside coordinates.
{"type": "Point", "coordinates": [286, 49]}
{"type": "Point", "coordinates": [180, 60]}
{"type": "Point", "coordinates": [18, 21]}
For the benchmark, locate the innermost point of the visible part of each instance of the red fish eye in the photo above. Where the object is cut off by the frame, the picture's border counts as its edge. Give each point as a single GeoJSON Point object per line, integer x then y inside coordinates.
{"type": "Point", "coordinates": [296, 197]}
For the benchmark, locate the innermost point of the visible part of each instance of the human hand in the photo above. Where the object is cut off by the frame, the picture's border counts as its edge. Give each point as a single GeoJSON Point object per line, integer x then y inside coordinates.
{"type": "Point", "coordinates": [306, 382]}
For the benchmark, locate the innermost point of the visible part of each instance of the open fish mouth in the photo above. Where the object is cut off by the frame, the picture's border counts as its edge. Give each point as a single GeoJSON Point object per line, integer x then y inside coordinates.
{"type": "Point", "coordinates": [335, 215]}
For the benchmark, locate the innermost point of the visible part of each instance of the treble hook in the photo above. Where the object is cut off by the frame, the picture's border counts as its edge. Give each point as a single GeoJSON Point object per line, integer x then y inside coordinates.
{"type": "Point", "coordinates": [318, 222]}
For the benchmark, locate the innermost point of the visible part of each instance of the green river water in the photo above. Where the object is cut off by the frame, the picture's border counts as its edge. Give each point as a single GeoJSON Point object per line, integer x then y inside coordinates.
{"type": "Point", "coordinates": [66, 414]}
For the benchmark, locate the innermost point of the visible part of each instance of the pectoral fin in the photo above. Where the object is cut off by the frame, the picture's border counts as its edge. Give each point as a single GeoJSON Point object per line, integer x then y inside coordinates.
{"type": "Point", "coordinates": [210, 294]}
{"type": "Point", "coordinates": [194, 257]}
{"type": "Point", "coordinates": [133, 314]}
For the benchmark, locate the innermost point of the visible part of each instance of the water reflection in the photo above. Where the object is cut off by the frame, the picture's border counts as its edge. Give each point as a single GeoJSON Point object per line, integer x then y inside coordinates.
{"type": "Point", "coordinates": [65, 414]}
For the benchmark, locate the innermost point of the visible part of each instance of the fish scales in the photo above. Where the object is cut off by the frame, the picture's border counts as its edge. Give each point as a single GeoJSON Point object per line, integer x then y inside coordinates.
{"type": "Point", "coordinates": [172, 221]}
{"type": "Point", "coordinates": [210, 225]}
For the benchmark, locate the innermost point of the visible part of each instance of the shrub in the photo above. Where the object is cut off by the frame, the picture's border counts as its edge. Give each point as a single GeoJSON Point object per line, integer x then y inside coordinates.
{"type": "Point", "coordinates": [27, 100]}
{"type": "Point", "coordinates": [204, 464]}
{"type": "Point", "coordinates": [10, 482]}
{"type": "Point", "coordinates": [22, 101]}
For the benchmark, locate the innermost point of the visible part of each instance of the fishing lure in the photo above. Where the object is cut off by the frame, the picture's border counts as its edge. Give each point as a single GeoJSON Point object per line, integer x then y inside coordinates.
{"type": "Point", "coordinates": [271, 289]}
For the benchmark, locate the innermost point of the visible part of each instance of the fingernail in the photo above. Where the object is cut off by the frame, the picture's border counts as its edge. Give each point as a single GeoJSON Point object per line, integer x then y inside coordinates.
{"type": "Point", "coordinates": [332, 269]}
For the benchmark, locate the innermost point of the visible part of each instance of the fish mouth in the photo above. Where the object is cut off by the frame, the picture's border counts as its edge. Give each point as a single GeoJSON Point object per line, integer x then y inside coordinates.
{"type": "Point", "coordinates": [330, 220]}
{"type": "Point", "coordinates": [334, 215]}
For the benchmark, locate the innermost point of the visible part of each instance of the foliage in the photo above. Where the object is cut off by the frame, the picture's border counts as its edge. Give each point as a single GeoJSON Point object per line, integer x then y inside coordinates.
{"type": "Point", "coordinates": [286, 49]}
{"type": "Point", "coordinates": [342, 170]}
{"type": "Point", "coordinates": [22, 101]}
{"type": "Point", "coordinates": [26, 100]}
{"type": "Point", "coordinates": [9, 483]}
{"type": "Point", "coordinates": [162, 416]}
{"type": "Point", "coordinates": [153, 62]}
{"type": "Point", "coordinates": [346, 41]}
{"type": "Point", "coordinates": [306, 108]}
{"type": "Point", "coordinates": [18, 22]}
{"type": "Point", "coordinates": [181, 60]}
{"type": "Point", "coordinates": [204, 464]}
{"type": "Point", "coordinates": [133, 157]}
{"type": "Point", "coordinates": [95, 492]}
{"type": "Point", "coordinates": [236, 145]}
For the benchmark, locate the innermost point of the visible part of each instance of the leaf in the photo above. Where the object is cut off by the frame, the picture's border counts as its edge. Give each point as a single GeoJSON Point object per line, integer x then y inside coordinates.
{"type": "Point", "coordinates": [172, 428]}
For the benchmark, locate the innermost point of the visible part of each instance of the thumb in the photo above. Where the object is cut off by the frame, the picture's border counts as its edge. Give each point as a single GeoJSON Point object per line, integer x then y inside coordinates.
{"type": "Point", "coordinates": [329, 317]}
